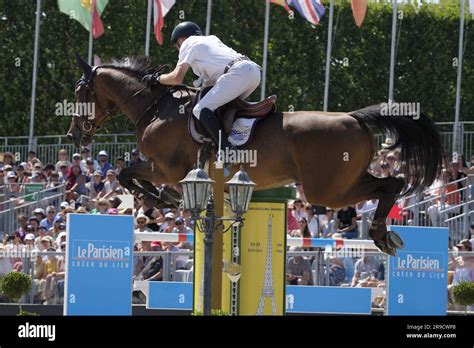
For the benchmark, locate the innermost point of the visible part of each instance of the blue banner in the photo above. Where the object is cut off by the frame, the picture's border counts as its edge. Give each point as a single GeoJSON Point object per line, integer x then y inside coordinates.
{"type": "Point", "coordinates": [99, 265]}
{"type": "Point", "coordinates": [418, 275]}
{"type": "Point", "coordinates": [169, 295]}
{"type": "Point", "coordinates": [327, 299]}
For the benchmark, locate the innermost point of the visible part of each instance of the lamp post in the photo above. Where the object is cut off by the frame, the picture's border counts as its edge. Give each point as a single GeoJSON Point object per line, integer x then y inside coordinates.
{"type": "Point", "coordinates": [197, 197]}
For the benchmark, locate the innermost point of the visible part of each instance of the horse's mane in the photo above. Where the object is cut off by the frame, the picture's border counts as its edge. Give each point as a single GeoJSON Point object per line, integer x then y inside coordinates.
{"type": "Point", "coordinates": [136, 65]}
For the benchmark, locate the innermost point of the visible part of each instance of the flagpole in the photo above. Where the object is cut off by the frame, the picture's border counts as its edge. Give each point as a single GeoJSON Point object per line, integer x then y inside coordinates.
{"type": "Point", "coordinates": [91, 38]}
{"type": "Point", "coordinates": [457, 141]}
{"type": "Point", "coordinates": [265, 49]}
{"type": "Point", "coordinates": [148, 22]}
{"type": "Point", "coordinates": [208, 18]}
{"type": "Point", "coordinates": [392, 50]}
{"type": "Point", "coordinates": [328, 57]}
{"type": "Point", "coordinates": [35, 74]}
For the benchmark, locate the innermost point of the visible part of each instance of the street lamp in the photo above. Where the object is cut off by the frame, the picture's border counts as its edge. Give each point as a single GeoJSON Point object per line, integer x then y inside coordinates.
{"type": "Point", "coordinates": [197, 187]}
{"type": "Point", "coordinates": [240, 191]}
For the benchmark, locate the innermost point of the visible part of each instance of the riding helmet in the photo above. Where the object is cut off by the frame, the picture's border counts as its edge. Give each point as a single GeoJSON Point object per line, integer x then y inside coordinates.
{"type": "Point", "coordinates": [185, 29]}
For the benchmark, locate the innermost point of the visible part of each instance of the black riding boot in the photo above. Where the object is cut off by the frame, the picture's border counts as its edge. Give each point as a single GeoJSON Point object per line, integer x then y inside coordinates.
{"type": "Point", "coordinates": [212, 125]}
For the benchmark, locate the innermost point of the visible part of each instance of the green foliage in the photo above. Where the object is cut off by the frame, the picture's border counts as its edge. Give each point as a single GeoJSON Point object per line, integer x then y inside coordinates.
{"type": "Point", "coordinates": [214, 313]}
{"type": "Point", "coordinates": [427, 45]}
{"type": "Point", "coordinates": [463, 293]}
{"type": "Point", "coordinates": [15, 285]}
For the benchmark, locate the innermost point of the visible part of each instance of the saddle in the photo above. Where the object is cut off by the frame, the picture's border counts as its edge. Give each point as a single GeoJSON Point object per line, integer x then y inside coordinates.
{"type": "Point", "coordinates": [239, 108]}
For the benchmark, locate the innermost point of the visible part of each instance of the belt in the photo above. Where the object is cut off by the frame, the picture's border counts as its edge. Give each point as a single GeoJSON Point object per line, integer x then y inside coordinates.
{"type": "Point", "coordinates": [236, 60]}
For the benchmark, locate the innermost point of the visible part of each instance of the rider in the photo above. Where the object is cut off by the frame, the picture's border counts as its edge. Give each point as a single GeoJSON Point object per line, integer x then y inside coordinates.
{"type": "Point", "coordinates": [232, 74]}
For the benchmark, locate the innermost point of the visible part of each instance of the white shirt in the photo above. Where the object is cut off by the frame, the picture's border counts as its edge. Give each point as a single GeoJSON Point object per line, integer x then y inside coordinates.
{"type": "Point", "coordinates": [208, 56]}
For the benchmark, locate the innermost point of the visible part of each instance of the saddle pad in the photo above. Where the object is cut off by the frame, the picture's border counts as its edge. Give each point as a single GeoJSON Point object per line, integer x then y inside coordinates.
{"type": "Point", "coordinates": [240, 133]}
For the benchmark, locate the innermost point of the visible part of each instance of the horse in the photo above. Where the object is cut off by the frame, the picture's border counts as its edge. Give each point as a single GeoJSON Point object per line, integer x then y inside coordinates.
{"type": "Point", "coordinates": [329, 153]}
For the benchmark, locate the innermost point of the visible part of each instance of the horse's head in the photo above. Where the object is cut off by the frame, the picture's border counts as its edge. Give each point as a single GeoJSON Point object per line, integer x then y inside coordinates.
{"type": "Point", "coordinates": [93, 108]}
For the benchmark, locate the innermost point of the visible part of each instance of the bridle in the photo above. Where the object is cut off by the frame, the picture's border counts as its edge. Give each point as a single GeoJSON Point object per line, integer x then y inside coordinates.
{"type": "Point", "coordinates": [88, 127]}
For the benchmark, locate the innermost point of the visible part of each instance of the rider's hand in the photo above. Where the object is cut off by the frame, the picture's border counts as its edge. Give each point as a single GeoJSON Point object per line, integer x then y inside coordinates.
{"type": "Point", "coordinates": [151, 79]}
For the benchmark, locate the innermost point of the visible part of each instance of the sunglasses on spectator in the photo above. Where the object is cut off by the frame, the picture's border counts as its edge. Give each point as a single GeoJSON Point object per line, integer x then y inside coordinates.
{"type": "Point", "coordinates": [50, 212]}
{"type": "Point", "coordinates": [102, 204]}
{"type": "Point", "coordinates": [141, 221]}
{"type": "Point", "coordinates": [55, 176]}
{"type": "Point", "coordinates": [178, 223]}
{"type": "Point", "coordinates": [169, 219]}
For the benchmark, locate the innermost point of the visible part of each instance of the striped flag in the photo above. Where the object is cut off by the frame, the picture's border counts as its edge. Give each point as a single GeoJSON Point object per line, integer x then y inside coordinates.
{"type": "Point", "coordinates": [281, 3]}
{"type": "Point", "coordinates": [80, 10]}
{"type": "Point", "coordinates": [359, 7]}
{"type": "Point", "coordinates": [160, 9]}
{"type": "Point", "coordinates": [311, 10]}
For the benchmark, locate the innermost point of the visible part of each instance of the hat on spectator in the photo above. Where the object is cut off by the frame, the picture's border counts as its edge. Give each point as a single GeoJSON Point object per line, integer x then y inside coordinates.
{"type": "Point", "coordinates": [62, 225]}
{"type": "Point", "coordinates": [179, 219]}
{"type": "Point", "coordinates": [47, 239]}
{"type": "Point", "coordinates": [22, 165]}
{"type": "Point", "coordinates": [78, 155]}
{"type": "Point", "coordinates": [8, 167]}
{"type": "Point", "coordinates": [89, 160]}
{"type": "Point", "coordinates": [135, 151]}
{"type": "Point", "coordinates": [103, 153]}
{"type": "Point", "coordinates": [85, 150]}
{"type": "Point", "coordinates": [49, 166]}
{"type": "Point", "coordinates": [38, 165]}
{"type": "Point", "coordinates": [81, 210]}
{"type": "Point", "coordinates": [466, 243]}
{"type": "Point", "coordinates": [59, 218]}
{"type": "Point", "coordinates": [11, 175]}
{"type": "Point", "coordinates": [142, 216]}
{"type": "Point", "coordinates": [64, 204]}
{"type": "Point", "coordinates": [61, 234]}
{"type": "Point", "coordinates": [34, 218]}
{"type": "Point", "coordinates": [63, 243]}
{"type": "Point", "coordinates": [62, 164]}
{"type": "Point", "coordinates": [30, 236]}
{"type": "Point", "coordinates": [97, 173]}
{"type": "Point", "coordinates": [119, 158]}
{"type": "Point", "coordinates": [42, 227]}
{"type": "Point", "coordinates": [169, 216]}
{"type": "Point", "coordinates": [39, 211]}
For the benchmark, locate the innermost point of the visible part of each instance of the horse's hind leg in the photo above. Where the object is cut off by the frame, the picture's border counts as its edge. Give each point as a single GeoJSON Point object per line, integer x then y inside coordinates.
{"type": "Point", "coordinates": [386, 190]}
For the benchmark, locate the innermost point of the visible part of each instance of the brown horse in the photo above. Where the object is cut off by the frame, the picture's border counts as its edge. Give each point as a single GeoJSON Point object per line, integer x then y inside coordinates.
{"type": "Point", "coordinates": [328, 152]}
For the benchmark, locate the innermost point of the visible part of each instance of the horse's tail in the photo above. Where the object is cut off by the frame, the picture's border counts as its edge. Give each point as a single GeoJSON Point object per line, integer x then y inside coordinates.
{"type": "Point", "coordinates": [417, 137]}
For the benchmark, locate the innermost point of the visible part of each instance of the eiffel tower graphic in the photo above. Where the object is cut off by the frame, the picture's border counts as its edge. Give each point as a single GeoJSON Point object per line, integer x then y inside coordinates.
{"type": "Point", "coordinates": [268, 289]}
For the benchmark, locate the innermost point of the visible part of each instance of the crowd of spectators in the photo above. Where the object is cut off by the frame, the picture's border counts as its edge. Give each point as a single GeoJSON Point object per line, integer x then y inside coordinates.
{"type": "Point", "coordinates": [91, 186]}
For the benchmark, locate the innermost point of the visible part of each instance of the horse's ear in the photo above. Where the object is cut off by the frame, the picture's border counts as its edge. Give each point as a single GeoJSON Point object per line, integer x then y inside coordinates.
{"type": "Point", "coordinates": [86, 68]}
{"type": "Point", "coordinates": [97, 60]}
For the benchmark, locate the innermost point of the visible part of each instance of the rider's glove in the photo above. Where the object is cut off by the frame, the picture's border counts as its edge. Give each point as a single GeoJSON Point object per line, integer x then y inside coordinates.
{"type": "Point", "coordinates": [151, 79]}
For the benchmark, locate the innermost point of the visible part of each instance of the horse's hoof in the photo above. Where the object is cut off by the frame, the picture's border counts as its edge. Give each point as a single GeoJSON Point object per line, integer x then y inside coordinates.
{"type": "Point", "coordinates": [394, 240]}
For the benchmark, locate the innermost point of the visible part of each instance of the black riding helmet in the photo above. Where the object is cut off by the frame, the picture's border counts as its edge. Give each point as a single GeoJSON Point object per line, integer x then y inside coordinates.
{"type": "Point", "coordinates": [185, 29]}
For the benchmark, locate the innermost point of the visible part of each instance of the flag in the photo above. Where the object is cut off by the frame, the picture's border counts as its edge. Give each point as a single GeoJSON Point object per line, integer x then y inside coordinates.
{"type": "Point", "coordinates": [395, 213]}
{"type": "Point", "coordinates": [311, 10]}
{"type": "Point", "coordinates": [359, 7]}
{"type": "Point", "coordinates": [80, 10]}
{"type": "Point", "coordinates": [281, 3]}
{"type": "Point", "coordinates": [160, 9]}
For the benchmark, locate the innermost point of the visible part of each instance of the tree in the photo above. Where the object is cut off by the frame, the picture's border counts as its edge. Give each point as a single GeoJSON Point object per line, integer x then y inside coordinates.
{"type": "Point", "coordinates": [14, 285]}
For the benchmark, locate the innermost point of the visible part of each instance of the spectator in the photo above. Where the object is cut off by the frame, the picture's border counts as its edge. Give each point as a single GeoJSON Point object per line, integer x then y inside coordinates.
{"type": "Point", "coordinates": [8, 159]}
{"type": "Point", "coordinates": [346, 223]}
{"type": "Point", "coordinates": [48, 221]}
{"type": "Point", "coordinates": [188, 219]}
{"type": "Point", "coordinates": [463, 168]}
{"type": "Point", "coordinates": [54, 231]}
{"type": "Point", "coordinates": [103, 206]}
{"type": "Point", "coordinates": [39, 214]}
{"type": "Point", "coordinates": [110, 185]}
{"type": "Point", "coordinates": [31, 156]}
{"type": "Point", "coordinates": [298, 211]}
{"type": "Point", "coordinates": [22, 225]}
{"type": "Point", "coordinates": [366, 268]}
{"type": "Point", "coordinates": [180, 227]}
{"type": "Point", "coordinates": [180, 263]}
{"type": "Point", "coordinates": [49, 169]}
{"type": "Point", "coordinates": [472, 234]}
{"type": "Point", "coordinates": [463, 267]}
{"type": "Point", "coordinates": [5, 263]}
{"type": "Point", "coordinates": [33, 223]}
{"type": "Point", "coordinates": [42, 232]}
{"type": "Point", "coordinates": [20, 171]}
{"type": "Point", "coordinates": [90, 169]}
{"type": "Point", "coordinates": [328, 227]}
{"type": "Point", "coordinates": [456, 174]}
{"type": "Point", "coordinates": [86, 156]}
{"type": "Point", "coordinates": [95, 186]}
{"type": "Point", "coordinates": [76, 183]}
{"type": "Point", "coordinates": [119, 165]}
{"type": "Point", "coordinates": [168, 225]}
{"type": "Point", "coordinates": [135, 158]}
{"type": "Point", "coordinates": [51, 269]}
{"type": "Point", "coordinates": [298, 269]}
{"type": "Point", "coordinates": [141, 223]}
{"type": "Point", "coordinates": [447, 195]}
{"type": "Point", "coordinates": [104, 165]}
{"type": "Point", "coordinates": [313, 222]}
{"type": "Point", "coordinates": [54, 181]}
{"type": "Point", "coordinates": [337, 271]}
{"type": "Point", "coordinates": [303, 228]}
{"type": "Point", "coordinates": [63, 160]}
{"type": "Point", "coordinates": [30, 241]}
{"type": "Point", "coordinates": [63, 171]}
{"type": "Point", "coordinates": [76, 159]}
